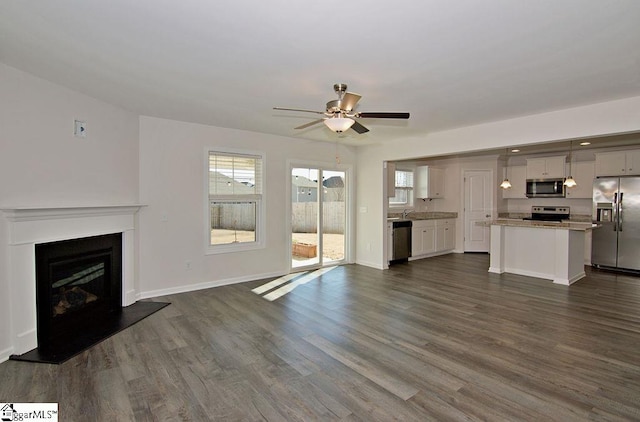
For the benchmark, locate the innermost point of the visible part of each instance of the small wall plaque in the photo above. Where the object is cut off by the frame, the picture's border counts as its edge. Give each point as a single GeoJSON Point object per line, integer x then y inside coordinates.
{"type": "Point", "coordinates": [80, 129]}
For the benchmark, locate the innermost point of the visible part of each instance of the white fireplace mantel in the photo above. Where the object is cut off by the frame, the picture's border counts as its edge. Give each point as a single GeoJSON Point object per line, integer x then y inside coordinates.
{"type": "Point", "coordinates": [17, 214]}
{"type": "Point", "coordinates": [31, 226]}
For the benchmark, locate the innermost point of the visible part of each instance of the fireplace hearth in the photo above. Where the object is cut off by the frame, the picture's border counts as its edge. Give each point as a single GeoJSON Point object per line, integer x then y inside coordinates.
{"type": "Point", "coordinates": [79, 299]}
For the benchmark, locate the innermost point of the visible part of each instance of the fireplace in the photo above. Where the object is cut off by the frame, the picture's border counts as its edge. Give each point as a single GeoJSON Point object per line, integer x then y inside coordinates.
{"type": "Point", "coordinates": [28, 227]}
{"type": "Point", "coordinates": [83, 290]}
{"type": "Point", "coordinates": [78, 288]}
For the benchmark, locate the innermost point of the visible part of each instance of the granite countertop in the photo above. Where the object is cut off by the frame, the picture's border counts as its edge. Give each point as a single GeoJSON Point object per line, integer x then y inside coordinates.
{"type": "Point", "coordinates": [439, 215]}
{"type": "Point", "coordinates": [564, 225]}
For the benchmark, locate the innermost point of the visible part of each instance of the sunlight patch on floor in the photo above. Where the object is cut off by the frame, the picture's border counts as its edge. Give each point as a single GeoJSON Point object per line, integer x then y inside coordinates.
{"type": "Point", "coordinates": [275, 283]}
{"type": "Point", "coordinates": [283, 288]}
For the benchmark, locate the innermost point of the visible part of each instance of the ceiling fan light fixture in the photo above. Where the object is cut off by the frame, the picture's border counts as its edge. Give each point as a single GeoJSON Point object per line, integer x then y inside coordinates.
{"type": "Point", "coordinates": [339, 124]}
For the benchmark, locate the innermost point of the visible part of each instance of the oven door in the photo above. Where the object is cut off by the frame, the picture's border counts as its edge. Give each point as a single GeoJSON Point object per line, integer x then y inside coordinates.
{"type": "Point", "coordinates": [545, 188]}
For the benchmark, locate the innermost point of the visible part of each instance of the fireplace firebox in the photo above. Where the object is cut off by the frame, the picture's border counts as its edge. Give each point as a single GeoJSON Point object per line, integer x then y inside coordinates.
{"type": "Point", "coordinates": [78, 288]}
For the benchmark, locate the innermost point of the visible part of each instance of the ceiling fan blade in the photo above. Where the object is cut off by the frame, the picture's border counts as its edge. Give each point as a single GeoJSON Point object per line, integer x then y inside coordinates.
{"type": "Point", "coordinates": [306, 125]}
{"type": "Point", "coordinates": [349, 101]}
{"type": "Point", "coordinates": [383, 115]}
{"type": "Point", "coordinates": [359, 128]}
{"type": "Point", "coordinates": [298, 109]}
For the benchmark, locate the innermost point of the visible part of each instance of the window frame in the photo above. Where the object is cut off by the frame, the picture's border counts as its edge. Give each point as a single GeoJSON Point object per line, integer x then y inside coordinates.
{"type": "Point", "coordinates": [410, 196]}
{"type": "Point", "coordinates": [258, 199]}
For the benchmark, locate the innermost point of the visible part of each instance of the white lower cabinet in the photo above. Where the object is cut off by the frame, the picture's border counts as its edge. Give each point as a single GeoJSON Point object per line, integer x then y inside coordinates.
{"type": "Point", "coordinates": [445, 235]}
{"type": "Point", "coordinates": [423, 237]}
{"type": "Point", "coordinates": [432, 237]}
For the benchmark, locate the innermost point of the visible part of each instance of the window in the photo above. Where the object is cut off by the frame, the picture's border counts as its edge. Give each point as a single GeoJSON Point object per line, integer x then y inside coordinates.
{"type": "Point", "coordinates": [235, 202]}
{"type": "Point", "coordinates": [404, 189]}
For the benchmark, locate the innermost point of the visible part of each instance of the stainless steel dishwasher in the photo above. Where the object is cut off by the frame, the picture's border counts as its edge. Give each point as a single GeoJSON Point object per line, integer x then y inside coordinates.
{"type": "Point", "coordinates": [401, 240]}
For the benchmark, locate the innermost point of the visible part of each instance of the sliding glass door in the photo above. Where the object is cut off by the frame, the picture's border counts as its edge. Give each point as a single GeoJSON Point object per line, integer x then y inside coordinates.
{"type": "Point", "coordinates": [318, 217]}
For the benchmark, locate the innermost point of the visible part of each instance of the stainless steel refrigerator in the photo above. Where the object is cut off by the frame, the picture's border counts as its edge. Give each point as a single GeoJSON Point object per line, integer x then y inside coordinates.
{"type": "Point", "coordinates": [616, 206]}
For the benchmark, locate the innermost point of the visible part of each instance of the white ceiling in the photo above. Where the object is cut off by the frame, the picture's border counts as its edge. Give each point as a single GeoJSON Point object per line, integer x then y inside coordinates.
{"type": "Point", "coordinates": [451, 63]}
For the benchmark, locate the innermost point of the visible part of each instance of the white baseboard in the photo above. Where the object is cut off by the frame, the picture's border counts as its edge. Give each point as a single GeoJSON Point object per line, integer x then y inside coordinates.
{"type": "Point", "coordinates": [206, 285]}
{"type": "Point", "coordinates": [4, 354]}
{"type": "Point", "coordinates": [371, 265]}
{"type": "Point", "coordinates": [528, 273]}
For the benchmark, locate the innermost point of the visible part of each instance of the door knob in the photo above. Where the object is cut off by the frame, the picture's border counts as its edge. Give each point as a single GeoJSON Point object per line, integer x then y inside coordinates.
{"type": "Point", "coordinates": [488, 215]}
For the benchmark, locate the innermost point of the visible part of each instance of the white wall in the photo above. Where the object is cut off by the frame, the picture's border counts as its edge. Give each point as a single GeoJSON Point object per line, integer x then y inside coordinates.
{"type": "Point", "coordinates": [43, 165]}
{"type": "Point", "coordinates": [172, 186]}
{"type": "Point", "coordinates": [621, 116]}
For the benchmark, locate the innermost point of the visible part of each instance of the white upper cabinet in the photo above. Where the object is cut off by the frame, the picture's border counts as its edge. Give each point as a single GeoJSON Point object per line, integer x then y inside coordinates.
{"type": "Point", "coordinates": [517, 175]}
{"type": "Point", "coordinates": [391, 180]}
{"type": "Point", "coordinates": [429, 182]}
{"type": "Point", "coordinates": [618, 163]}
{"type": "Point", "coordinates": [583, 173]}
{"type": "Point", "coordinates": [546, 167]}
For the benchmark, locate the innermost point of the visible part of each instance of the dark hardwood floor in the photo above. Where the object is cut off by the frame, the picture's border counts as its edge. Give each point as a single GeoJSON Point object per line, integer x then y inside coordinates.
{"type": "Point", "coordinates": [437, 339]}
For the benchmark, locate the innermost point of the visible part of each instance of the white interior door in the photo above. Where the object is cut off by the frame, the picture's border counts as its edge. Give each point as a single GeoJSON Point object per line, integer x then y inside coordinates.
{"type": "Point", "coordinates": [478, 206]}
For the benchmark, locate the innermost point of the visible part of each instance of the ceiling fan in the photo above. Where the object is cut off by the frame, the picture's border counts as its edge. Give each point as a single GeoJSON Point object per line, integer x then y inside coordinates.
{"type": "Point", "coordinates": [339, 115]}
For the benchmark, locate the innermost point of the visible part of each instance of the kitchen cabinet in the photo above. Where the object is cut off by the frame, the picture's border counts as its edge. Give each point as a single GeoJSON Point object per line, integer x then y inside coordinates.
{"type": "Point", "coordinates": [517, 175]}
{"type": "Point", "coordinates": [546, 167]}
{"type": "Point", "coordinates": [618, 163]}
{"type": "Point", "coordinates": [583, 173]}
{"type": "Point", "coordinates": [445, 235]}
{"type": "Point", "coordinates": [429, 182]}
{"type": "Point", "coordinates": [432, 237]}
{"type": "Point", "coordinates": [423, 237]}
{"type": "Point", "coordinates": [391, 180]}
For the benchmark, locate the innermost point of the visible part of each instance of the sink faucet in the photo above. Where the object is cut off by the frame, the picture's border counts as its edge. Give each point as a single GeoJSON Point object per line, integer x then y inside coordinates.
{"type": "Point", "coordinates": [405, 213]}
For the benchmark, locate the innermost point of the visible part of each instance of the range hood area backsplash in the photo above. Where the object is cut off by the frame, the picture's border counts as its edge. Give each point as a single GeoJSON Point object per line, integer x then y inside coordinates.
{"type": "Point", "coordinates": [521, 208]}
{"type": "Point", "coordinates": [579, 218]}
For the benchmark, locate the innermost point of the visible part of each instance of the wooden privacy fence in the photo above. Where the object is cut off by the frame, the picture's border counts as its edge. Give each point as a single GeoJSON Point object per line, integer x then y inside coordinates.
{"type": "Point", "coordinates": [304, 217]}
{"type": "Point", "coordinates": [233, 216]}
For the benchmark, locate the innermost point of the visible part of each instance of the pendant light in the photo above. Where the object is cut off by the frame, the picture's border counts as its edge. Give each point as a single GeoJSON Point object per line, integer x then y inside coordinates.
{"type": "Point", "coordinates": [569, 181]}
{"type": "Point", "coordinates": [506, 184]}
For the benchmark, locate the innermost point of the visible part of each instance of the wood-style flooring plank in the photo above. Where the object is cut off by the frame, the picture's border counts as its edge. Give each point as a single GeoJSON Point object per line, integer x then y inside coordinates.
{"type": "Point", "coordinates": [433, 339]}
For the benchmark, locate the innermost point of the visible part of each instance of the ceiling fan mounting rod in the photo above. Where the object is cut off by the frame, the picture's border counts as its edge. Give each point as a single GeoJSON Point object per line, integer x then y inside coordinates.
{"type": "Point", "coordinates": [340, 89]}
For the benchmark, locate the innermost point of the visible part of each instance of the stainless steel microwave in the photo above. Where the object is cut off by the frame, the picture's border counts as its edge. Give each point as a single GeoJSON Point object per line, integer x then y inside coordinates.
{"type": "Point", "coordinates": [545, 188]}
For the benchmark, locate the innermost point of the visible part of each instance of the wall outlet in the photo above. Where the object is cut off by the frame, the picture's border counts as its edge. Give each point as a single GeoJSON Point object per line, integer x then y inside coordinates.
{"type": "Point", "coordinates": [187, 265]}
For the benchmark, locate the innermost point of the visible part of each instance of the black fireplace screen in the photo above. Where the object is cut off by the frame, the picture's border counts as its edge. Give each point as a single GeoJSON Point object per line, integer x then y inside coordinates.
{"type": "Point", "coordinates": [78, 285]}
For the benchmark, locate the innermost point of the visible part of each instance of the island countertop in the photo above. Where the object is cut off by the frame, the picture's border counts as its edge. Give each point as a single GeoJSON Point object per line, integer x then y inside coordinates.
{"type": "Point", "coordinates": [564, 225]}
{"type": "Point", "coordinates": [542, 249]}
{"type": "Point", "coordinates": [417, 215]}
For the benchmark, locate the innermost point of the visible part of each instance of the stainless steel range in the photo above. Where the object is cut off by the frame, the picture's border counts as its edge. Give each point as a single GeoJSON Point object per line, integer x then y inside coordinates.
{"type": "Point", "coordinates": [549, 213]}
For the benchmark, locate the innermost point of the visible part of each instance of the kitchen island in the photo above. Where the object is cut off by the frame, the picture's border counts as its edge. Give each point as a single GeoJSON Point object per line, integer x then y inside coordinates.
{"type": "Point", "coordinates": [549, 250]}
